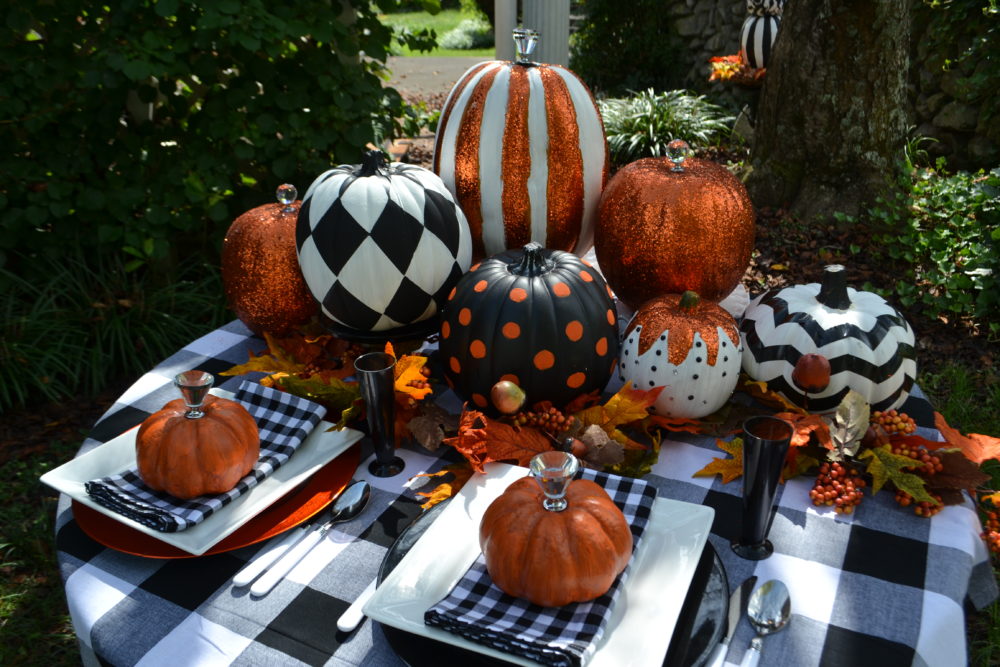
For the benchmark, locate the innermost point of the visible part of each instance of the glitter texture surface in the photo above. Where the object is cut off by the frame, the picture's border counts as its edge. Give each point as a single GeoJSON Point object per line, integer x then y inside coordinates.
{"type": "Point", "coordinates": [260, 270]}
{"type": "Point", "coordinates": [665, 314]}
{"type": "Point", "coordinates": [664, 232]}
{"type": "Point", "coordinates": [516, 161]}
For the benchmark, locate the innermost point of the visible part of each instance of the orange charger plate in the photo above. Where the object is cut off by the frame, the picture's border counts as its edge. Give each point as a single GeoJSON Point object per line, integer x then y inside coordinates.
{"type": "Point", "coordinates": [300, 504]}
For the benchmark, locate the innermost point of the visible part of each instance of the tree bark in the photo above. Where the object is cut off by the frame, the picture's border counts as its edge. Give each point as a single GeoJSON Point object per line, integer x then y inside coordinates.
{"type": "Point", "coordinates": [833, 112]}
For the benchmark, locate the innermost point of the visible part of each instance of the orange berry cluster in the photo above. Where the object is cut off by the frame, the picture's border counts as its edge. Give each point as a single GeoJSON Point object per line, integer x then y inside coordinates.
{"type": "Point", "coordinates": [991, 531]}
{"type": "Point", "coordinates": [549, 419]}
{"type": "Point", "coordinates": [421, 384]}
{"type": "Point", "coordinates": [923, 508]}
{"type": "Point", "coordinates": [929, 463]}
{"type": "Point", "coordinates": [894, 422]}
{"type": "Point", "coordinates": [838, 486]}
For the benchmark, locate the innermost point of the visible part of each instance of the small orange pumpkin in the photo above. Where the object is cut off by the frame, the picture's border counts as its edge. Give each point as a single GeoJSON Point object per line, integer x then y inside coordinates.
{"type": "Point", "coordinates": [554, 558]}
{"type": "Point", "coordinates": [192, 457]}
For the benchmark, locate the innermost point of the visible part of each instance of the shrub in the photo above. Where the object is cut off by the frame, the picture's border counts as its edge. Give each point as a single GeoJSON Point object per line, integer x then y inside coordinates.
{"type": "Point", "coordinates": [943, 233]}
{"type": "Point", "coordinates": [471, 33]}
{"type": "Point", "coordinates": [643, 125]}
{"type": "Point", "coordinates": [146, 126]}
{"type": "Point", "coordinates": [626, 46]}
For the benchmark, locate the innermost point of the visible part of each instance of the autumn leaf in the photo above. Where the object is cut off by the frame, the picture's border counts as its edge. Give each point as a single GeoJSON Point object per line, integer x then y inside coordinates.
{"type": "Point", "coordinates": [797, 463]}
{"type": "Point", "coordinates": [339, 397]}
{"type": "Point", "coordinates": [678, 424]}
{"type": "Point", "coordinates": [805, 426]}
{"type": "Point", "coordinates": [760, 392]}
{"type": "Point", "coordinates": [913, 441]}
{"type": "Point", "coordinates": [461, 473]}
{"type": "Point", "coordinates": [993, 498]}
{"type": "Point", "coordinates": [582, 402]}
{"type": "Point", "coordinates": [884, 466]}
{"type": "Point", "coordinates": [625, 407]}
{"type": "Point", "coordinates": [470, 441]}
{"type": "Point", "coordinates": [407, 370]}
{"type": "Point", "coordinates": [957, 472]}
{"type": "Point", "coordinates": [505, 442]}
{"type": "Point", "coordinates": [265, 363]}
{"type": "Point", "coordinates": [730, 468]}
{"type": "Point", "coordinates": [431, 424]}
{"type": "Point", "coordinates": [848, 425]}
{"type": "Point", "coordinates": [975, 446]}
{"type": "Point", "coordinates": [638, 462]}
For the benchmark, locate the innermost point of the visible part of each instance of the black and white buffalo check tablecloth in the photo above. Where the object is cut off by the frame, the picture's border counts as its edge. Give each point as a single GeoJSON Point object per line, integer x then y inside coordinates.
{"type": "Point", "coordinates": [881, 587]}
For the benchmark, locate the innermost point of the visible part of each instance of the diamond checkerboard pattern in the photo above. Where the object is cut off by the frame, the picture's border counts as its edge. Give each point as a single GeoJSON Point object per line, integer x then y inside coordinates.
{"type": "Point", "coordinates": [880, 587]}
{"type": "Point", "coordinates": [381, 252]}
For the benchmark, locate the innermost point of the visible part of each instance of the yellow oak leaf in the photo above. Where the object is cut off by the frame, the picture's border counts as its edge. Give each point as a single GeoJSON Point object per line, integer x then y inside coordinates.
{"type": "Point", "coordinates": [407, 370]}
{"type": "Point", "coordinates": [625, 407]}
{"type": "Point", "coordinates": [730, 468]}
{"type": "Point", "coordinates": [884, 466]}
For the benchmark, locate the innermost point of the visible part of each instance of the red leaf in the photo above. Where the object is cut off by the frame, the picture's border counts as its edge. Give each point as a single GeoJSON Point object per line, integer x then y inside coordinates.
{"type": "Point", "coordinates": [505, 442]}
{"type": "Point", "coordinates": [471, 439]}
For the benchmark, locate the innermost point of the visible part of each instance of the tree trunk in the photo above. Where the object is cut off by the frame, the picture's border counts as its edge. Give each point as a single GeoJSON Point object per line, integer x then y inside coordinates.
{"type": "Point", "coordinates": [833, 112]}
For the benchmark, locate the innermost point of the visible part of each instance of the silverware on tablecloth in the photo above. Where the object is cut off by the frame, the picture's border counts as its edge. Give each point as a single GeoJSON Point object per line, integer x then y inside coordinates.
{"type": "Point", "coordinates": [354, 614]}
{"type": "Point", "coordinates": [737, 606]}
{"type": "Point", "coordinates": [769, 610]}
{"type": "Point", "coordinates": [344, 507]}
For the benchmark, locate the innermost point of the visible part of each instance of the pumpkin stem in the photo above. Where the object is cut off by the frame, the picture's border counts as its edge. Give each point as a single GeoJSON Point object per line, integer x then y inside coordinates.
{"type": "Point", "coordinates": [372, 162]}
{"type": "Point", "coordinates": [833, 289]}
{"type": "Point", "coordinates": [525, 40]}
{"type": "Point", "coordinates": [689, 300]}
{"type": "Point", "coordinates": [533, 262]}
{"type": "Point", "coordinates": [194, 386]}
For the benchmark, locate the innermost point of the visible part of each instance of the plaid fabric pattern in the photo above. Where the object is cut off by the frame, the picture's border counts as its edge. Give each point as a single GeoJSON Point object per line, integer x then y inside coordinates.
{"type": "Point", "coordinates": [283, 420]}
{"type": "Point", "coordinates": [879, 587]}
{"type": "Point", "coordinates": [563, 636]}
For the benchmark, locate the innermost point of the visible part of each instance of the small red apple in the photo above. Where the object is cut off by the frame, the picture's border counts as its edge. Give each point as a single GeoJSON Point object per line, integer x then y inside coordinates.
{"type": "Point", "coordinates": [507, 397]}
{"type": "Point", "coordinates": [812, 373]}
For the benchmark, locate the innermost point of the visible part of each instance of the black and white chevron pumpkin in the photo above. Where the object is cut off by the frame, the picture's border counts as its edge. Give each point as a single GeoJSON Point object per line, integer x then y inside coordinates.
{"type": "Point", "coordinates": [869, 344]}
{"type": "Point", "coordinates": [757, 37]}
{"type": "Point", "coordinates": [380, 246]}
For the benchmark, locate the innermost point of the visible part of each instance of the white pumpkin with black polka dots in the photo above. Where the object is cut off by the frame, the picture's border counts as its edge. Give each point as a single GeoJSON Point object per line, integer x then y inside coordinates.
{"type": "Point", "coordinates": [689, 347]}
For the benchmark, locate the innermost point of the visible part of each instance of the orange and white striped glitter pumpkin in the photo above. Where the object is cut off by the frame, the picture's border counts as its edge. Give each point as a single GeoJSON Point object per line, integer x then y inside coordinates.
{"type": "Point", "coordinates": [521, 146]}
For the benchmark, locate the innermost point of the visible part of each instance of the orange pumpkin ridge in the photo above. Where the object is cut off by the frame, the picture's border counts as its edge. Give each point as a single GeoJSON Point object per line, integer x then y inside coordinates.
{"type": "Point", "coordinates": [516, 162]}
{"type": "Point", "coordinates": [564, 194]}
{"type": "Point", "coordinates": [467, 162]}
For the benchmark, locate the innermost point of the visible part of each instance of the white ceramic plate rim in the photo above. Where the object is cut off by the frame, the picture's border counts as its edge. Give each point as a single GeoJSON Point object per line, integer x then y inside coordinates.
{"type": "Point", "coordinates": [319, 448]}
{"type": "Point", "coordinates": [645, 614]}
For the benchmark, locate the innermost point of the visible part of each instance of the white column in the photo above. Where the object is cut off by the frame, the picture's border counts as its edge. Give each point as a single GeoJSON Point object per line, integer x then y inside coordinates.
{"type": "Point", "coordinates": [551, 19]}
{"type": "Point", "coordinates": [504, 22]}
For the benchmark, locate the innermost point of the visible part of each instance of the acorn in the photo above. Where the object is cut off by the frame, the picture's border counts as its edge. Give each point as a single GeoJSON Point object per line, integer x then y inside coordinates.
{"type": "Point", "coordinates": [507, 397]}
{"type": "Point", "coordinates": [811, 373]}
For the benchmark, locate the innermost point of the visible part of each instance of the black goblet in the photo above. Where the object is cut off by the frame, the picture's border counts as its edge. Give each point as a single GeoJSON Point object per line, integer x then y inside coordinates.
{"type": "Point", "coordinates": [375, 375]}
{"type": "Point", "coordinates": [765, 444]}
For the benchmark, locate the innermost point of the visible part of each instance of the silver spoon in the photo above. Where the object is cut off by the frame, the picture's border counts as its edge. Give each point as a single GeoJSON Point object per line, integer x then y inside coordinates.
{"type": "Point", "coordinates": [350, 503]}
{"type": "Point", "coordinates": [769, 610]}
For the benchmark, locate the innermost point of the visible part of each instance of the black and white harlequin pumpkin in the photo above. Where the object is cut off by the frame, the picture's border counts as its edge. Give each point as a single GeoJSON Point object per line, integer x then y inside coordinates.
{"type": "Point", "coordinates": [543, 319]}
{"type": "Point", "coordinates": [689, 347]}
{"type": "Point", "coordinates": [379, 245]}
{"type": "Point", "coordinates": [868, 343]}
{"type": "Point", "coordinates": [756, 39]}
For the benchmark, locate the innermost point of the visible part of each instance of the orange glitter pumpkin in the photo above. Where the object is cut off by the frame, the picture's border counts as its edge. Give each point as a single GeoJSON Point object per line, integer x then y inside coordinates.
{"type": "Point", "coordinates": [663, 231]}
{"type": "Point", "coordinates": [521, 145]}
{"type": "Point", "coordinates": [260, 270]}
{"type": "Point", "coordinates": [688, 346]}
{"type": "Point", "coordinates": [542, 319]}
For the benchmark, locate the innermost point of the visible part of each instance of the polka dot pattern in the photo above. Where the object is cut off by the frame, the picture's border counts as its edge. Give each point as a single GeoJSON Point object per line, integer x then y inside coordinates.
{"type": "Point", "coordinates": [675, 358]}
{"type": "Point", "coordinates": [553, 331]}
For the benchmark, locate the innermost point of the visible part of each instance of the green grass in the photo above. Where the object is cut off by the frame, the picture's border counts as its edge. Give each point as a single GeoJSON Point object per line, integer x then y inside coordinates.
{"type": "Point", "coordinates": [441, 23]}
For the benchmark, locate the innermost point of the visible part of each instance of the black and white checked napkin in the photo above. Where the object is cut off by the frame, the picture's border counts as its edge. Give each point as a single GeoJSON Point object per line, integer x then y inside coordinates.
{"type": "Point", "coordinates": [568, 635]}
{"type": "Point", "coordinates": [284, 421]}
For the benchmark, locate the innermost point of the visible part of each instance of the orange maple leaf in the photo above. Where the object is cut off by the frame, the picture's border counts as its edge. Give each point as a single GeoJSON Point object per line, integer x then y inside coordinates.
{"type": "Point", "coordinates": [730, 468]}
{"type": "Point", "coordinates": [760, 391]}
{"type": "Point", "coordinates": [625, 407]}
{"type": "Point", "coordinates": [805, 426]}
{"type": "Point", "coordinates": [505, 442]}
{"type": "Point", "coordinates": [470, 441]}
{"type": "Point", "coordinates": [583, 401]}
{"type": "Point", "coordinates": [677, 424]}
{"type": "Point", "coordinates": [976, 447]}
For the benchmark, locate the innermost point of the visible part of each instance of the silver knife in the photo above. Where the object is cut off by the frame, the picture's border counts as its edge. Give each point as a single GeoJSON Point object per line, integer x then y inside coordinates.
{"type": "Point", "coordinates": [737, 606]}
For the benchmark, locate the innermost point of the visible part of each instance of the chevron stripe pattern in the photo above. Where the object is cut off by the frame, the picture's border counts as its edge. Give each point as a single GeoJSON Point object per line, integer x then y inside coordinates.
{"type": "Point", "coordinates": [757, 37]}
{"type": "Point", "coordinates": [522, 148]}
{"type": "Point", "coordinates": [870, 346]}
{"type": "Point", "coordinates": [381, 252]}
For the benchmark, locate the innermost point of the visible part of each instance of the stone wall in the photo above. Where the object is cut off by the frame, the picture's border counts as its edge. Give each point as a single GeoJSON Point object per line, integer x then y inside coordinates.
{"type": "Point", "coordinates": [942, 107]}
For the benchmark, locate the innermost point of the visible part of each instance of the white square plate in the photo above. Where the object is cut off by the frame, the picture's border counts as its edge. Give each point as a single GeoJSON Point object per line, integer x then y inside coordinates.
{"type": "Point", "coordinates": [319, 448]}
{"type": "Point", "coordinates": [644, 615]}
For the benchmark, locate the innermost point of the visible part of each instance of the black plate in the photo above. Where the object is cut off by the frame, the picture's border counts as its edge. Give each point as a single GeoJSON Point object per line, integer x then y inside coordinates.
{"type": "Point", "coordinates": [699, 629]}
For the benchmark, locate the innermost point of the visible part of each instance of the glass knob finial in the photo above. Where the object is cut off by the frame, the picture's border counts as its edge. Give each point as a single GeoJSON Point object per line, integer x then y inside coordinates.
{"type": "Point", "coordinates": [678, 151]}
{"type": "Point", "coordinates": [194, 386]}
{"type": "Point", "coordinates": [286, 194]}
{"type": "Point", "coordinates": [525, 40]}
{"type": "Point", "coordinates": [554, 471]}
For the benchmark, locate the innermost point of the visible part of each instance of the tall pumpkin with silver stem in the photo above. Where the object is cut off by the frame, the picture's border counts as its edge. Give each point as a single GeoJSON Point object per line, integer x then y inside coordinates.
{"type": "Point", "coordinates": [869, 344]}
{"type": "Point", "coordinates": [521, 145]}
